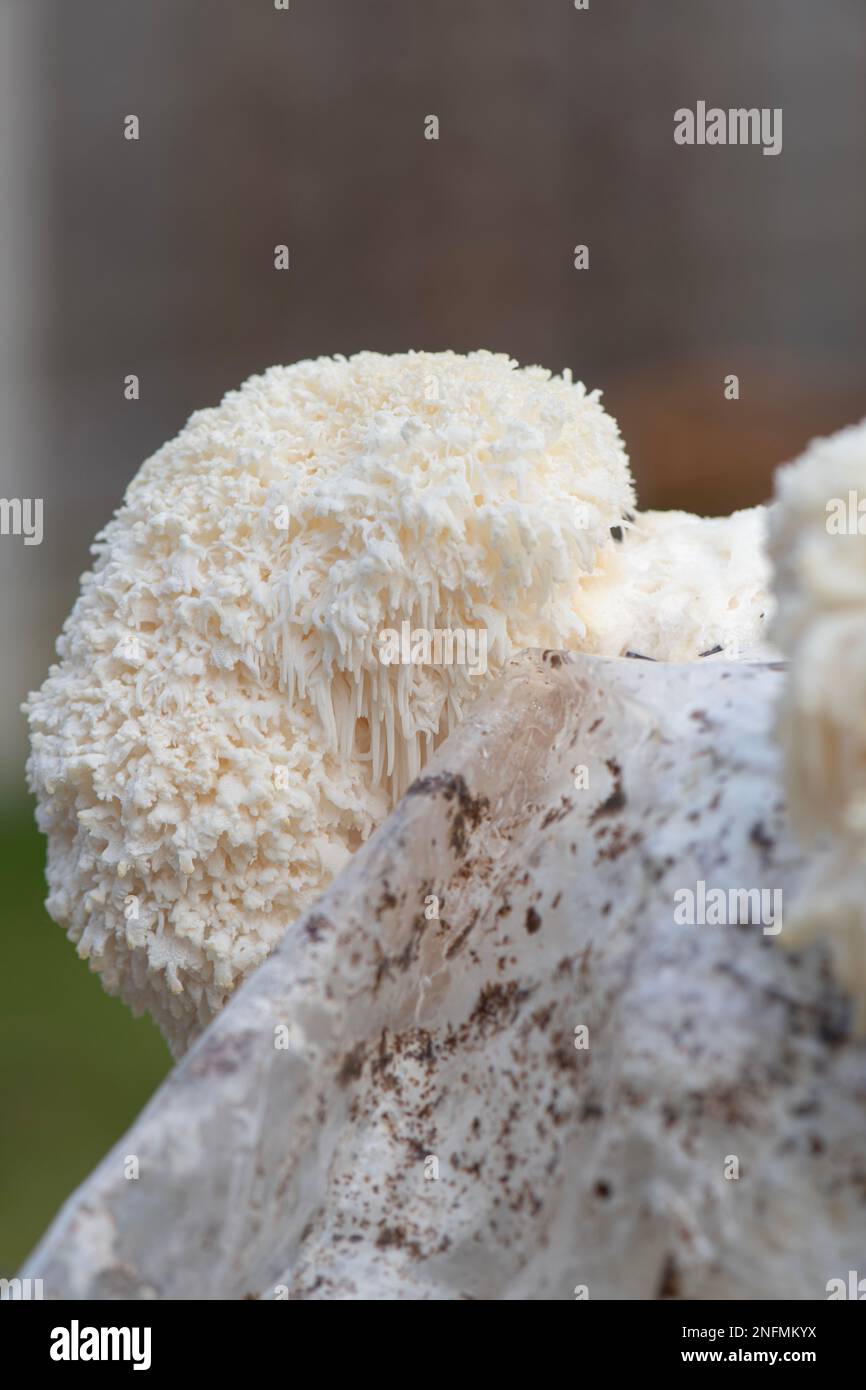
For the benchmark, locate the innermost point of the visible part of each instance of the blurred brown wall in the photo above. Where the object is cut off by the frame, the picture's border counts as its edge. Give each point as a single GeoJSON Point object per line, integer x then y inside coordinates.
{"type": "Point", "coordinates": [306, 127]}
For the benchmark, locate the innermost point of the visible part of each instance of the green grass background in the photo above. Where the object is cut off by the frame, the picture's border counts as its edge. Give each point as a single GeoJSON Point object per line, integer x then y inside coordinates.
{"type": "Point", "coordinates": [75, 1066]}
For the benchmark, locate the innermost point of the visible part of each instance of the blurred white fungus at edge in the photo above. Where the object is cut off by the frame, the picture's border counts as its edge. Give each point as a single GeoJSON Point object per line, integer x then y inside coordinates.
{"type": "Point", "coordinates": [820, 625]}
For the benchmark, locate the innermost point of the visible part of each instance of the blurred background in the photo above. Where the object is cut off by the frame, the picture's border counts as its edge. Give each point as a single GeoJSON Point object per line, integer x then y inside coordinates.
{"type": "Point", "coordinates": [306, 127]}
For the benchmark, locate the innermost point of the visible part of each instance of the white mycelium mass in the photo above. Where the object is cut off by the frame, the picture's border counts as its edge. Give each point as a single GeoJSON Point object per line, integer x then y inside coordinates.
{"type": "Point", "coordinates": [677, 587]}
{"type": "Point", "coordinates": [220, 733]}
{"type": "Point", "coordinates": [819, 554]}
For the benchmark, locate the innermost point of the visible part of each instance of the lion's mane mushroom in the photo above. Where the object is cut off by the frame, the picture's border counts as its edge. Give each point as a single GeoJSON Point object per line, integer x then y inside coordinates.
{"type": "Point", "coordinates": [819, 552]}
{"type": "Point", "coordinates": [220, 733]}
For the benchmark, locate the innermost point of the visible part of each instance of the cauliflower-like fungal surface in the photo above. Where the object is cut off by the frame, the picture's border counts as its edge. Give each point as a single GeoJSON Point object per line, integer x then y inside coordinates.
{"type": "Point", "coordinates": [222, 730]}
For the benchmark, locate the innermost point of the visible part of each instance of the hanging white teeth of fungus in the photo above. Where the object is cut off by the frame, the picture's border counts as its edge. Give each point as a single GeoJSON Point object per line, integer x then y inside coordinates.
{"type": "Point", "coordinates": [220, 733]}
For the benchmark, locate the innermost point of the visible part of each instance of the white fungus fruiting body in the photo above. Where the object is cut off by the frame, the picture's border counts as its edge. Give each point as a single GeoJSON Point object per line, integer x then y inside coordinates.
{"type": "Point", "coordinates": [819, 553]}
{"type": "Point", "coordinates": [677, 587]}
{"type": "Point", "coordinates": [221, 733]}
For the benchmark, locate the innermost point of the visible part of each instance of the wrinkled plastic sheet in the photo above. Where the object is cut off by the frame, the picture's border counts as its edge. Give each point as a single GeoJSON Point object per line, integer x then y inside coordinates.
{"type": "Point", "coordinates": [491, 1064]}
